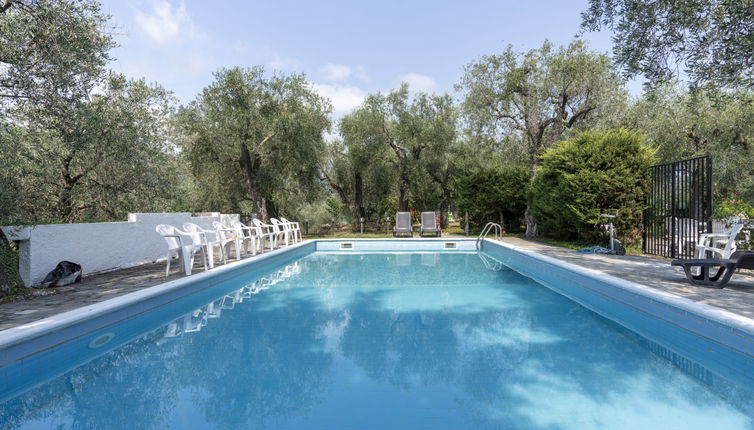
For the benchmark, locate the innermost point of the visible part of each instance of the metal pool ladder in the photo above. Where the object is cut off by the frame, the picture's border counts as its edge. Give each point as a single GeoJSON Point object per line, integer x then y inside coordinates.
{"type": "Point", "coordinates": [490, 227]}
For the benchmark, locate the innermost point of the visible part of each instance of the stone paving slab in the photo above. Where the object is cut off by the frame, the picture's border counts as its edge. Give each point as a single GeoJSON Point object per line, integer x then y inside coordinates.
{"type": "Point", "coordinates": [93, 289]}
{"type": "Point", "coordinates": [655, 272]}
{"type": "Point", "coordinates": [737, 296]}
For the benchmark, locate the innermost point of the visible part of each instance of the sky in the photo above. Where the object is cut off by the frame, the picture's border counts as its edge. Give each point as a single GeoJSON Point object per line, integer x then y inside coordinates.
{"type": "Point", "coordinates": [347, 49]}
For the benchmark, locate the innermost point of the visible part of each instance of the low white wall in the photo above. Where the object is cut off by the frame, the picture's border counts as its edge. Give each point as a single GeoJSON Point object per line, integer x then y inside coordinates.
{"type": "Point", "coordinates": [98, 247]}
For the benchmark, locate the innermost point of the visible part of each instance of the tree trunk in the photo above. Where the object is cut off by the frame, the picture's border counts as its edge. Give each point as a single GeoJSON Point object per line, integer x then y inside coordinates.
{"type": "Point", "coordinates": [444, 215]}
{"type": "Point", "coordinates": [250, 167]}
{"type": "Point", "coordinates": [9, 279]}
{"type": "Point", "coordinates": [65, 198]}
{"type": "Point", "coordinates": [531, 223]}
{"type": "Point", "coordinates": [402, 199]}
{"type": "Point", "coordinates": [359, 195]}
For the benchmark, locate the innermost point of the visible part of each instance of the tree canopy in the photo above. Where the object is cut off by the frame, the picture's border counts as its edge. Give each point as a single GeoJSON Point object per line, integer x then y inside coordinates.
{"type": "Point", "coordinates": [52, 52]}
{"type": "Point", "coordinates": [254, 138]}
{"type": "Point", "coordinates": [396, 148]}
{"type": "Point", "coordinates": [109, 155]}
{"type": "Point", "coordinates": [712, 40]}
{"type": "Point", "coordinates": [527, 101]}
{"type": "Point", "coordinates": [78, 142]}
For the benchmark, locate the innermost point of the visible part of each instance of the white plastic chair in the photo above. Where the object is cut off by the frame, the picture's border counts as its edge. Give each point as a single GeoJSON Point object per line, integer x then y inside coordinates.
{"type": "Point", "coordinates": [278, 231]}
{"type": "Point", "coordinates": [228, 235]}
{"type": "Point", "coordinates": [719, 245]}
{"type": "Point", "coordinates": [207, 238]}
{"type": "Point", "coordinates": [295, 227]}
{"type": "Point", "coordinates": [181, 245]}
{"type": "Point", "coordinates": [266, 232]}
{"type": "Point", "coordinates": [249, 235]}
{"type": "Point", "coordinates": [285, 230]}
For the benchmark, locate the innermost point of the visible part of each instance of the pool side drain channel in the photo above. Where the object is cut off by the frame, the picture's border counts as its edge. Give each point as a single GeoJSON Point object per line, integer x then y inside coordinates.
{"type": "Point", "coordinates": [346, 245]}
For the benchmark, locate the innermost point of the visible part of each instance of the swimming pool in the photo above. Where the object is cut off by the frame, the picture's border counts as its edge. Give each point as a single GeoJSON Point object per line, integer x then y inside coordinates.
{"type": "Point", "coordinates": [371, 335]}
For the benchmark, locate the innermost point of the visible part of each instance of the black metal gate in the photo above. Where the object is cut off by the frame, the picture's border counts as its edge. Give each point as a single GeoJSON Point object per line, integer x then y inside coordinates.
{"type": "Point", "coordinates": [679, 207]}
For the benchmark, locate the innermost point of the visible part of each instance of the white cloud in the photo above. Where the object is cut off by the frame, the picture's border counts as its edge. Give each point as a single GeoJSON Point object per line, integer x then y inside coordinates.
{"type": "Point", "coordinates": [344, 98]}
{"type": "Point", "coordinates": [419, 82]}
{"type": "Point", "coordinates": [279, 62]}
{"type": "Point", "coordinates": [361, 73]}
{"type": "Point", "coordinates": [166, 24]}
{"type": "Point", "coordinates": [336, 72]}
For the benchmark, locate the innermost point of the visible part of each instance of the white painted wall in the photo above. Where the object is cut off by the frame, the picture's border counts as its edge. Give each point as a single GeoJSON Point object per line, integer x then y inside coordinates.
{"type": "Point", "coordinates": [98, 247]}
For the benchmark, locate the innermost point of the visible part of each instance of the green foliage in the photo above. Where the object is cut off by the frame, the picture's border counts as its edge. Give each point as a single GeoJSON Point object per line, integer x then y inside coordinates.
{"type": "Point", "coordinates": [711, 38]}
{"type": "Point", "coordinates": [521, 103]}
{"type": "Point", "coordinates": [682, 124]}
{"type": "Point", "coordinates": [494, 194]}
{"type": "Point", "coordinates": [109, 155]}
{"type": "Point", "coordinates": [334, 209]}
{"type": "Point", "coordinates": [248, 136]}
{"type": "Point", "coordinates": [733, 208]}
{"type": "Point", "coordinates": [52, 52]}
{"type": "Point", "coordinates": [9, 280]}
{"type": "Point", "coordinates": [583, 177]}
{"type": "Point", "coordinates": [395, 148]}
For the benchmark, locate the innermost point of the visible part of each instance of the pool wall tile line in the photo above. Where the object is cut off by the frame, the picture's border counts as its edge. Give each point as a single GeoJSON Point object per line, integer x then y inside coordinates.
{"type": "Point", "coordinates": [24, 341]}
{"type": "Point", "coordinates": [715, 338]}
{"type": "Point", "coordinates": [396, 245]}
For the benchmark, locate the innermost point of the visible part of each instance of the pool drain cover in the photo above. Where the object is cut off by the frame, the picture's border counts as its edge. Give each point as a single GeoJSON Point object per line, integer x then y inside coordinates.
{"type": "Point", "coordinates": [101, 340]}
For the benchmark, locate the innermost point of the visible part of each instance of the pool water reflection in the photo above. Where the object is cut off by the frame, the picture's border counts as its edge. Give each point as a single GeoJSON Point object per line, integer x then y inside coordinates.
{"type": "Point", "coordinates": [377, 341]}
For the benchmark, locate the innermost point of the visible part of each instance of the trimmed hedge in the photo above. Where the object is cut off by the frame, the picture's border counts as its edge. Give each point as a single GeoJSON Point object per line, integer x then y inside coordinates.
{"type": "Point", "coordinates": [496, 193]}
{"type": "Point", "coordinates": [583, 177]}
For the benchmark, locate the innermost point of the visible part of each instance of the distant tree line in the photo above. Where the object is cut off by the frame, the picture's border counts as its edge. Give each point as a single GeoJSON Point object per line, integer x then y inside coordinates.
{"type": "Point", "coordinates": [81, 143]}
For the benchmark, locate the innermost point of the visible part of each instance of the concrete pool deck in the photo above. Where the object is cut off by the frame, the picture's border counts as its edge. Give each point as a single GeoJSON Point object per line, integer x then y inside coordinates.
{"type": "Point", "coordinates": [654, 272]}
{"type": "Point", "coordinates": [737, 297]}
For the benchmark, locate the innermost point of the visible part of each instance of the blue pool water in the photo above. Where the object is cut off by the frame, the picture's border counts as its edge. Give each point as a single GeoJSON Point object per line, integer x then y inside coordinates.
{"type": "Point", "coordinates": [381, 341]}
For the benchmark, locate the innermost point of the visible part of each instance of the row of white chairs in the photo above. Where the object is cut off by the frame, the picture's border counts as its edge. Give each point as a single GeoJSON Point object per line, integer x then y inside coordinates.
{"type": "Point", "coordinates": [193, 239]}
{"type": "Point", "coordinates": [195, 320]}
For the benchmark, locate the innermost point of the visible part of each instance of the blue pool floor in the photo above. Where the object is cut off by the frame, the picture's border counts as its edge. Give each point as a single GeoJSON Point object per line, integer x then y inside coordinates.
{"type": "Point", "coordinates": [378, 341]}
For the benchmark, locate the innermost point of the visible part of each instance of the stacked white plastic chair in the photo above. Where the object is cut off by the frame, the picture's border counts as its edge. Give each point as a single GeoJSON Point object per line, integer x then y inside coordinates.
{"type": "Point", "coordinates": [278, 231]}
{"type": "Point", "coordinates": [180, 244]}
{"type": "Point", "coordinates": [249, 235]}
{"type": "Point", "coordinates": [266, 232]}
{"type": "Point", "coordinates": [208, 239]}
{"type": "Point", "coordinates": [228, 235]}
{"type": "Point", "coordinates": [295, 228]}
{"type": "Point", "coordinates": [285, 230]}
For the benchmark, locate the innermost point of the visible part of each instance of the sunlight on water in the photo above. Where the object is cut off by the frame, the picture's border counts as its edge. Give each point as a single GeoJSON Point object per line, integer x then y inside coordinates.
{"type": "Point", "coordinates": [381, 341]}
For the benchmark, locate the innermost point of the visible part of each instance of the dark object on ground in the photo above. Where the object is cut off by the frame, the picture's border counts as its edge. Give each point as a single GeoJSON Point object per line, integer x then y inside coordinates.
{"type": "Point", "coordinates": [65, 273]}
{"type": "Point", "coordinates": [725, 268]}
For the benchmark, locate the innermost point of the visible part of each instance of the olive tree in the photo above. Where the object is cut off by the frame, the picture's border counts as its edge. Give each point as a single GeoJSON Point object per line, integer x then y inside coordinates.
{"type": "Point", "coordinates": [255, 138]}
{"type": "Point", "coordinates": [682, 123]}
{"type": "Point", "coordinates": [396, 148]}
{"type": "Point", "coordinates": [528, 101]}
{"type": "Point", "coordinates": [711, 40]}
{"type": "Point", "coordinates": [52, 52]}
{"type": "Point", "coordinates": [110, 155]}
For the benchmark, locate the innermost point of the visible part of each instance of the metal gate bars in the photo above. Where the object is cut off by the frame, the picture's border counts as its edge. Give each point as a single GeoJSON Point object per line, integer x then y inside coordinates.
{"type": "Point", "coordinates": [679, 208]}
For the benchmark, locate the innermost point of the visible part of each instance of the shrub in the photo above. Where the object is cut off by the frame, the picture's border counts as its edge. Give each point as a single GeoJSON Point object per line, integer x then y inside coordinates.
{"type": "Point", "coordinates": [496, 193]}
{"type": "Point", "coordinates": [732, 207]}
{"type": "Point", "coordinates": [583, 177]}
